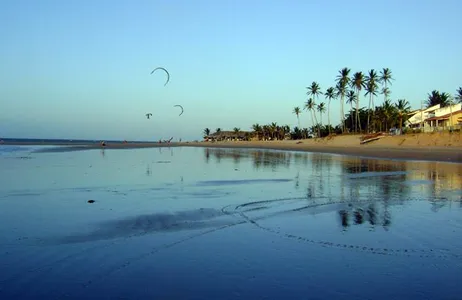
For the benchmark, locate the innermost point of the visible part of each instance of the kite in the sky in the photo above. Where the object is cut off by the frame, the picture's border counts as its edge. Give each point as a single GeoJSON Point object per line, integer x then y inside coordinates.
{"type": "Point", "coordinates": [148, 115]}
{"type": "Point", "coordinates": [163, 69]}
{"type": "Point", "coordinates": [179, 107]}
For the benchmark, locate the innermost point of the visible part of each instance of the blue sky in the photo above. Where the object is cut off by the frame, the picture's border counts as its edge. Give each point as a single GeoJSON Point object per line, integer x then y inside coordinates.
{"type": "Point", "coordinates": [81, 69]}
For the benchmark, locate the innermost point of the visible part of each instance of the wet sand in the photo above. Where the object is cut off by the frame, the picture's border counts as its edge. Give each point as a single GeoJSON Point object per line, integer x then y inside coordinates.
{"type": "Point", "coordinates": [425, 147]}
{"type": "Point", "coordinates": [227, 218]}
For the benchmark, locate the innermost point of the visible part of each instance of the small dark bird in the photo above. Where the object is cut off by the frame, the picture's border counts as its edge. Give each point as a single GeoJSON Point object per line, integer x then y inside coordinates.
{"type": "Point", "coordinates": [91, 201]}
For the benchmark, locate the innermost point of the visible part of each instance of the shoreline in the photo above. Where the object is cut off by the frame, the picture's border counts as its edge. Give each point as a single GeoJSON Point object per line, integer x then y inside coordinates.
{"type": "Point", "coordinates": [410, 148]}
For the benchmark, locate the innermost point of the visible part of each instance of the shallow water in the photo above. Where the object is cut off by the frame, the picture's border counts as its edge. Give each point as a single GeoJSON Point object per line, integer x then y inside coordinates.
{"type": "Point", "coordinates": [197, 223]}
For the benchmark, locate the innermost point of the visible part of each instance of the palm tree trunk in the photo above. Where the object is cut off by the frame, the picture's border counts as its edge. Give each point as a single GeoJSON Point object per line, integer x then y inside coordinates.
{"type": "Point", "coordinates": [316, 120]}
{"type": "Point", "coordinates": [342, 113]}
{"type": "Point", "coordinates": [352, 116]}
{"type": "Point", "coordinates": [319, 128]}
{"type": "Point", "coordinates": [401, 124]}
{"type": "Point", "coordinates": [358, 125]}
{"type": "Point", "coordinates": [328, 115]}
{"type": "Point", "coordinates": [373, 112]}
{"type": "Point", "coordinates": [368, 112]}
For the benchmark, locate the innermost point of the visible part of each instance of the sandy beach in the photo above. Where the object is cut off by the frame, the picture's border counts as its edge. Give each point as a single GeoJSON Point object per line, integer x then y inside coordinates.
{"type": "Point", "coordinates": [429, 147]}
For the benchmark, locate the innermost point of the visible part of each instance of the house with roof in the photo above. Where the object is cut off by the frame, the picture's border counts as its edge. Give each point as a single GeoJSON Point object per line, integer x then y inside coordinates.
{"type": "Point", "coordinates": [445, 118]}
{"type": "Point", "coordinates": [417, 117]}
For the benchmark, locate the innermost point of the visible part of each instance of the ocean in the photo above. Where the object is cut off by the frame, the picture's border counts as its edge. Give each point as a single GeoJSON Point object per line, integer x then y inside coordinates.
{"type": "Point", "coordinates": [212, 223]}
{"type": "Point", "coordinates": [64, 141]}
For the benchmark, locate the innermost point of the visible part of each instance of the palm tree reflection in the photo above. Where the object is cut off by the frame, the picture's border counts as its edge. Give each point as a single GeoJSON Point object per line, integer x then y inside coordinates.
{"type": "Point", "coordinates": [344, 219]}
{"type": "Point", "coordinates": [360, 216]}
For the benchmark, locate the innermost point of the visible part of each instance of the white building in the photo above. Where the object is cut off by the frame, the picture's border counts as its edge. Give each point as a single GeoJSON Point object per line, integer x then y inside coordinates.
{"type": "Point", "coordinates": [417, 117]}
{"type": "Point", "coordinates": [432, 118]}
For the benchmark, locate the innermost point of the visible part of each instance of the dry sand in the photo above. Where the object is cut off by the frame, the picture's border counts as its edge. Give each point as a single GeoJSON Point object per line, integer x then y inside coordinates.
{"type": "Point", "coordinates": [431, 147]}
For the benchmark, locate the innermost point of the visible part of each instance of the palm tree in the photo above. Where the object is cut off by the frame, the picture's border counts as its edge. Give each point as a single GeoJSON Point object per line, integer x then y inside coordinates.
{"type": "Point", "coordinates": [257, 129]}
{"type": "Point", "coordinates": [458, 96]}
{"type": "Point", "coordinates": [343, 80]}
{"type": "Point", "coordinates": [403, 109]}
{"type": "Point", "coordinates": [385, 79]}
{"type": "Point", "coordinates": [321, 109]}
{"type": "Point", "coordinates": [314, 90]}
{"type": "Point", "coordinates": [330, 94]}
{"type": "Point", "coordinates": [218, 130]}
{"type": "Point", "coordinates": [358, 84]}
{"type": "Point", "coordinates": [371, 90]}
{"type": "Point", "coordinates": [351, 98]}
{"type": "Point", "coordinates": [206, 132]}
{"type": "Point", "coordinates": [388, 112]}
{"type": "Point", "coordinates": [273, 129]}
{"type": "Point", "coordinates": [297, 112]}
{"type": "Point", "coordinates": [148, 115]}
{"type": "Point", "coordinates": [310, 105]}
{"type": "Point", "coordinates": [236, 130]}
{"type": "Point", "coordinates": [435, 98]}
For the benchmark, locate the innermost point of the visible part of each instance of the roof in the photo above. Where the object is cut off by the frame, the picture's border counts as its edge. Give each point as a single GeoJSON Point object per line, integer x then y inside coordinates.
{"type": "Point", "coordinates": [413, 112]}
{"type": "Point", "coordinates": [231, 134]}
{"type": "Point", "coordinates": [444, 117]}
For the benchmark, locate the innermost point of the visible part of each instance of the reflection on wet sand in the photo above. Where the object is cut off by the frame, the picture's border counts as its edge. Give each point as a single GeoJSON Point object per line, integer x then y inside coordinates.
{"type": "Point", "coordinates": [382, 179]}
{"type": "Point", "coordinates": [369, 214]}
{"type": "Point", "coordinates": [151, 223]}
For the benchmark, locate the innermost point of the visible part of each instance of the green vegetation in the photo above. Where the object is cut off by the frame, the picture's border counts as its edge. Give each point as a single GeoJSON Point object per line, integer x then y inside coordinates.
{"type": "Point", "coordinates": [359, 119]}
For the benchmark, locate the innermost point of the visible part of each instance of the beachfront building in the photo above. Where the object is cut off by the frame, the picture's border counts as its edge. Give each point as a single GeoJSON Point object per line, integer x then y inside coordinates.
{"type": "Point", "coordinates": [435, 118]}
{"type": "Point", "coordinates": [417, 118]}
{"type": "Point", "coordinates": [443, 118]}
{"type": "Point", "coordinates": [227, 136]}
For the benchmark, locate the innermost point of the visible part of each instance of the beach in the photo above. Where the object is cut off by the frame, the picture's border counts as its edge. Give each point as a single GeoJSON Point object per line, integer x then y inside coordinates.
{"type": "Point", "coordinates": [444, 147]}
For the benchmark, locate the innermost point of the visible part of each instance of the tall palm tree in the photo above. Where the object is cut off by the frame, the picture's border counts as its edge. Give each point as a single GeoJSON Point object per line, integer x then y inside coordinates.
{"type": "Point", "coordinates": [310, 105]}
{"type": "Point", "coordinates": [403, 109]}
{"type": "Point", "coordinates": [351, 99]}
{"type": "Point", "coordinates": [385, 92]}
{"type": "Point", "coordinates": [458, 96]}
{"type": "Point", "coordinates": [314, 90]}
{"type": "Point", "coordinates": [321, 109]}
{"type": "Point", "coordinates": [206, 132]}
{"type": "Point", "coordinates": [371, 90]}
{"type": "Point", "coordinates": [343, 80]}
{"type": "Point", "coordinates": [385, 79]}
{"type": "Point", "coordinates": [358, 83]}
{"type": "Point", "coordinates": [330, 94]}
{"type": "Point", "coordinates": [297, 111]}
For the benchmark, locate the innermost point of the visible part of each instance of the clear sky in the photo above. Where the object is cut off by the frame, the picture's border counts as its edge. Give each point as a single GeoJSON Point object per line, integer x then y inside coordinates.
{"type": "Point", "coordinates": [81, 69]}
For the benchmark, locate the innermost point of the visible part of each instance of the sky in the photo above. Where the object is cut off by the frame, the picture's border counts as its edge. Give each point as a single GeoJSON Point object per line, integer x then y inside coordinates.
{"type": "Point", "coordinates": [81, 69]}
